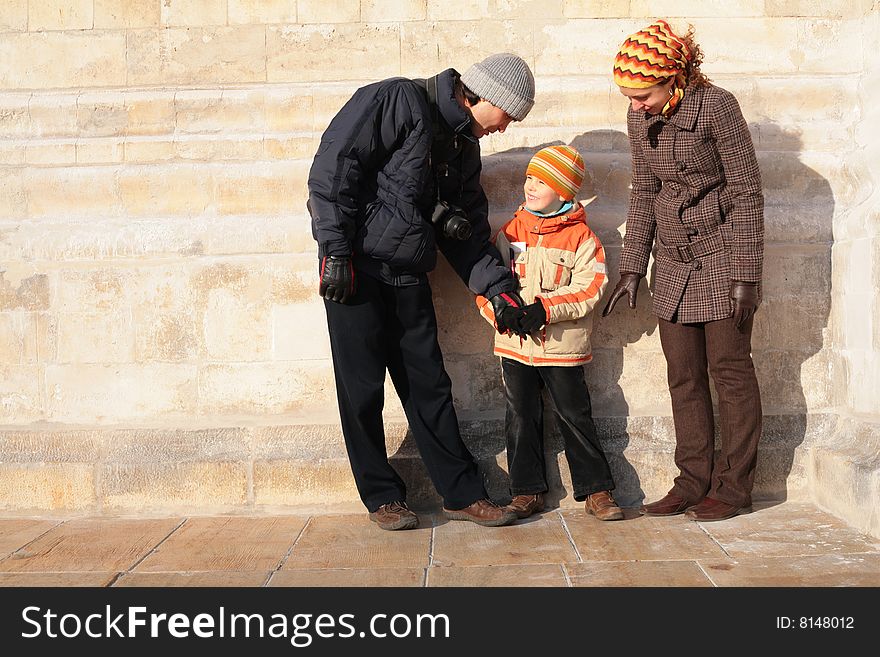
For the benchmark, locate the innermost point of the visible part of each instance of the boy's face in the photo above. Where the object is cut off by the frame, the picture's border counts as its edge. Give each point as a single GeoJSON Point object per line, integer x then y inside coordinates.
{"type": "Point", "coordinates": [486, 118]}
{"type": "Point", "coordinates": [540, 197]}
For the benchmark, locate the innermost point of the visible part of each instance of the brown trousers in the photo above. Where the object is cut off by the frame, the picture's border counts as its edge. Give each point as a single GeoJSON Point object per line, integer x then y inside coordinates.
{"type": "Point", "coordinates": [693, 352]}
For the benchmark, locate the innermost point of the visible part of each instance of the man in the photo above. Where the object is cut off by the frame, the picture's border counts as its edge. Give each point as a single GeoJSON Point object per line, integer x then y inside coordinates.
{"type": "Point", "coordinates": [396, 176]}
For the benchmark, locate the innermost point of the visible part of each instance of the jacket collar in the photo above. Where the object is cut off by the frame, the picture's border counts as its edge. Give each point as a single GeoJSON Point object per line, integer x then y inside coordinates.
{"type": "Point", "coordinates": [685, 116]}
{"type": "Point", "coordinates": [543, 225]}
{"type": "Point", "coordinates": [451, 110]}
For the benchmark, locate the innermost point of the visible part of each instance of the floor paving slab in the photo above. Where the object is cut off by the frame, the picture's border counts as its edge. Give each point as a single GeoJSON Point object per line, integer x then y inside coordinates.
{"type": "Point", "coordinates": [349, 577]}
{"type": "Point", "coordinates": [540, 539]}
{"type": "Point", "coordinates": [514, 575]}
{"type": "Point", "coordinates": [94, 579]}
{"type": "Point", "coordinates": [790, 529]}
{"type": "Point", "coordinates": [352, 541]}
{"type": "Point", "coordinates": [822, 570]}
{"type": "Point", "coordinates": [640, 538]}
{"type": "Point", "coordinates": [17, 532]}
{"type": "Point", "coordinates": [219, 578]}
{"type": "Point", "coordinates": [226, 543]}
{"type": "Point", "coordinates": [99, 544]}
{"type": "Point", "coordinates": [637, 573]}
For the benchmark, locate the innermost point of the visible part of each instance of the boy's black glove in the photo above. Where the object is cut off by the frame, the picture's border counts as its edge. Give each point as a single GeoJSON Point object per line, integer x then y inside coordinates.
{"type": "Point", "coordinates": [533, 317]}
{"type": "Point", "coordinates": [507, 307]}
{"type": "Point", "coordinates": [628, 285]}
{"type": "Point", "coordinates": [337, 279]}
{"type": "Point", "coordinates": [745, 302]}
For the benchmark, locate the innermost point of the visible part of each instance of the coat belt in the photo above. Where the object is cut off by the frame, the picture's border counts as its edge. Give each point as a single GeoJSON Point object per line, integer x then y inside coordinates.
{"type": "Point", "coordinates": [689, 252]}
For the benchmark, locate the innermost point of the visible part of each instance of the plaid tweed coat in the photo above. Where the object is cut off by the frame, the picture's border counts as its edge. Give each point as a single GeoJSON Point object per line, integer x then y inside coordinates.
{"type": "Point", "coordinates": [696, 192]}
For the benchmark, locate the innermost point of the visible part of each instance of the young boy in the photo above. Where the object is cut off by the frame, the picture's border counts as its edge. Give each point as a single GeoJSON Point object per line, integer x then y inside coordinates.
{"type": "Point", "coordinates": [560, 265]}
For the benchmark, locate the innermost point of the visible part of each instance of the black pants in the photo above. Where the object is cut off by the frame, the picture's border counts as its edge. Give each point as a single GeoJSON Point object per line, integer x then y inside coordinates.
{"type": "Point", "coordinates": [693, 352]}
{"type": "Point", "coordinates": [394, 328]}
{"type": "Point", "coordinates": [524, 424]}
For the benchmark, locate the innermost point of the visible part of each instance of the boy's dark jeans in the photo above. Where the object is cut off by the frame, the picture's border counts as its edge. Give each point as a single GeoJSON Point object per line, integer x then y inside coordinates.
{"type": "Point", "coordinates": [524, 424]}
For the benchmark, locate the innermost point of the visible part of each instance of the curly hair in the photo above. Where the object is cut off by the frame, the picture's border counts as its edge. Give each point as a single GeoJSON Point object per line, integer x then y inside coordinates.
{"type": "Point", "coordinates": [694, 76]}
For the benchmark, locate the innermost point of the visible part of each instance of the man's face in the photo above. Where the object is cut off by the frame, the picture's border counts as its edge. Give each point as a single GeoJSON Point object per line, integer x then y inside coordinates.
{"type": "Point", "coordinates": [486, 118]}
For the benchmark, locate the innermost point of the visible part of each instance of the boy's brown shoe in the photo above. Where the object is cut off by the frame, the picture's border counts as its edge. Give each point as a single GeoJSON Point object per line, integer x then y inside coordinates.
{"type": "Point", "coordinates": [603, 506]}
{"type": "Point", "coordinates": [394, 516]}
{"type": "Point", "coordinates": [483, 512]}
{"type": "Point", "coordinates": [525, 505]}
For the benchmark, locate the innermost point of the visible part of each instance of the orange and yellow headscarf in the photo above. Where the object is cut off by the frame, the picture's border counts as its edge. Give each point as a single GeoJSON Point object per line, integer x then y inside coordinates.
{"type": "Point", "coordinates": [651, 56]}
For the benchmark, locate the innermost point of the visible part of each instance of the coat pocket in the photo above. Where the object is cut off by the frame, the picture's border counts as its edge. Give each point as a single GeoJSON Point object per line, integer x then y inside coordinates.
{"type": "Point", "coordinates": [396, 235]}
{"type": "Point", "coordinates": [556, 269]}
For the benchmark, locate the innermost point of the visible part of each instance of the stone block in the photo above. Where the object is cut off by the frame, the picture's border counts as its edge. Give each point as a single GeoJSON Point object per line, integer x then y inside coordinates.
{"type": "Point", "coordinates": [319, 439]}
{"type": "Point", "coordinates": [23, 288]}
{"type": "Point", "coordinates": [296, 388]}
{"type": "Point", "coordinates": [595, 52]}
{"type": "Point", "coordinates": [14, 118]}
{"type": "Point", "coordinates": [289, 110]}
{"type": "Point", "coordinates": [197, 56]}
{"type": "Point", "coordinates": [102, 394]}
{"type": "Point", "coordinates": [739, 45]}
{"type": "Point", "coordinates": [21, 394]}
{"type": "Point", "coordinates": [96, 337]}
{"type": "Point", "coordinates": [380, 11]}
{"type": "Point", "coordinates": [179, 486]}
{"type": "Point", "coordinates": [45, 60]}
{"type": "Point", "coordinates": [596, 9]}
{"type": "Point", "coordinates": [149, 150]}
{"type": "Point", "coordinates": [193, 12]}
{"type": "Point", "coordinates": [266, 188]}
{"type": "Point", "coordinates": [126, 14]}
{"type": "Point", "coordinates": [52, 115]}
{"type": "Point", "coordinates": [13, 194]}
{"type": "Point", "coordinates": [299, 331]}
{"type": "Point", "coordinates": [292, 148]}
{"type": "Point", "coordinates": [59, 446]}
{"type": "Point", "coordinates": [281, 482]}
{"type": "Point", "coordinates": [71, 192]}
{"type": "Point", "coordinates": [326, 53]}
{"type": "Point", "coordinates": [247, 12]}
{"type": "Point", "coordinates": [100, 151]}
{"type": "Point", "coordinates": [822, 52]}
{"type": "Point", "coordinates": [150, 113]}
{"type": "Point", "coordinates": [60, 15]}
{"type": "Point", "coordinates": [684, 9]}
{"type": "Point", "coordinates": [211, 149]}
{"type": "Point", "coordinates": [213, 112]}
{"type": "Point", "coordinates": [470, 42]}
{"type": "Point", "coordinates": [816, 8]}
{"type": "Point", "coordinates": [48, 487]}
{"type": "Point", "coordinates": [236, 330]}
{"type": "Point", "coordinates": [101, 115]}
{"type": "Point", "coordinates": [465, 10]}
{"type": "Point", "coordinates": [169, 190]}
{"type": "Point", "coordinates": [50, 153]}
{"type": "Point", "coordinates": [14, 16]}
{"type": "Point", "coordinates": [339, 11]}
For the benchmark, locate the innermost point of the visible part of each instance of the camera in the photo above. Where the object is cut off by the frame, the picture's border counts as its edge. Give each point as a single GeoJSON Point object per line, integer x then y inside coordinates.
{"type": "Point", "coordinates": [451, 221]}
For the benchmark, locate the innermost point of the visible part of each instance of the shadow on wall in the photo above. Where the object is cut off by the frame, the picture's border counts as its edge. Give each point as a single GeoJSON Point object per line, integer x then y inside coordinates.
{"type": "Point", "coordinates": [788, 331]}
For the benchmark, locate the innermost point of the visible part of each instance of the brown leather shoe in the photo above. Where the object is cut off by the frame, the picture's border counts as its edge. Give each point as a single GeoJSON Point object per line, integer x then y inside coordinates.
{"type": "Point", "coordinates": [711, 509]}
{"type": "Point", "coordinates": [483, 512]}
{"type": "Point", "coordinates": [603, 506]}
{"type": "Point", "coordinates": [670, 505]}
{"type": "Point", "coordinates": [394, 516]}
{"type": "Point", "coordinates": [525, 505]}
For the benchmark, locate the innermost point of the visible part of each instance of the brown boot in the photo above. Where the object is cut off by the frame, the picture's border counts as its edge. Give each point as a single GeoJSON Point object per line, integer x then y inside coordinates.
{"type": "Point", "coordinates": [483, 512]}
{"type": "Point", "coordinates": [710, 510]}
{"type": "Point", "coordinates": [525, 505]}
{"type": "Point", "coordinates": [394, 516]}
{"type": "Point", "coordinates": [670, 505]}
{"type": "Point", "coordinates": [603, 506]}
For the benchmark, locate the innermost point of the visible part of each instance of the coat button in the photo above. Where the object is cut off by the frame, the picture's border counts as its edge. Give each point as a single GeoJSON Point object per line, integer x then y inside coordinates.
{"type": "Point", "coordinates": [692, 231]}
{"type": "Point", "coordinates": [682, 166]}
{"type": "Point", "coordinates": [696, 264]}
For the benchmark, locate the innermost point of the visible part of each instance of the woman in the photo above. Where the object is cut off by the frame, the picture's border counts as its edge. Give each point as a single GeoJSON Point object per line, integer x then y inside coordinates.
{"type": "Point", "coordinates": [696, 197]}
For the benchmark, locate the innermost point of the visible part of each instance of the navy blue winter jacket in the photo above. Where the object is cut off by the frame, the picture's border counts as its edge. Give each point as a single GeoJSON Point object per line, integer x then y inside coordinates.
{"type": "Point", "coordinates": [374, 183]}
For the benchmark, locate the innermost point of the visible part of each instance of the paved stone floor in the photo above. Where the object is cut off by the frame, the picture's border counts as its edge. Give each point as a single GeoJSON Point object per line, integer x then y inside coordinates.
{"type": "Point", "coordinates": [780, 544]}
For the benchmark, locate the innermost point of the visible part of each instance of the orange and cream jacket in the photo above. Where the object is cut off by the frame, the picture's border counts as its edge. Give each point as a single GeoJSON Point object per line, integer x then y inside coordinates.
{"type": "Point", "coordinates": [560, 262]}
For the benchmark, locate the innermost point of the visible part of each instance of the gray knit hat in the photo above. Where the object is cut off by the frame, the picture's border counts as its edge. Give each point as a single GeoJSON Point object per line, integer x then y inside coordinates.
{"type": "Point", "coordinates": [506, 81]}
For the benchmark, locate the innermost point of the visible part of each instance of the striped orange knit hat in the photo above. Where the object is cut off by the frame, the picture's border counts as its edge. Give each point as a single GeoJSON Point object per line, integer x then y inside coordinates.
{"type": "Point", "coordinates": [561, 167]}
{"type": "Point", "coordinates": [650, 56]}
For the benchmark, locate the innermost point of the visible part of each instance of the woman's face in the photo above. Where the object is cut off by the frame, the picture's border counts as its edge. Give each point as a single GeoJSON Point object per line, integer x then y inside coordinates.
{"type": "Point", "coordinates": [651, 100]}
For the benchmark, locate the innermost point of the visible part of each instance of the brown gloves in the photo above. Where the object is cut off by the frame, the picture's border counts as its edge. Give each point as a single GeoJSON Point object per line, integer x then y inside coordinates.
{"type": "Point", "coordinates": [629, 285]}
{"type": "Point", "coordinates": [745, 302]}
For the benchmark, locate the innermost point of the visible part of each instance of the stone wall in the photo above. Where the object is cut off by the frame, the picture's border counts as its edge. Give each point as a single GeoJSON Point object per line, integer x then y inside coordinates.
{"type": "Point", "coordinates": [161, 342]}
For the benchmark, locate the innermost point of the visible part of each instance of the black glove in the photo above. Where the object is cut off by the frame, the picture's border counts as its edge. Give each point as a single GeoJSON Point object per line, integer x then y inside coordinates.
{"type": "Point", "coordinates": [745, 302]}
{"type": "Point", "coordinates": [337, 279]}
{"type": "Point", "coordinates": [532, 318]}
{"type": "Point", "coordinates": [629, 285]}
{"type": "Point", "coordinates": [507, 307]}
